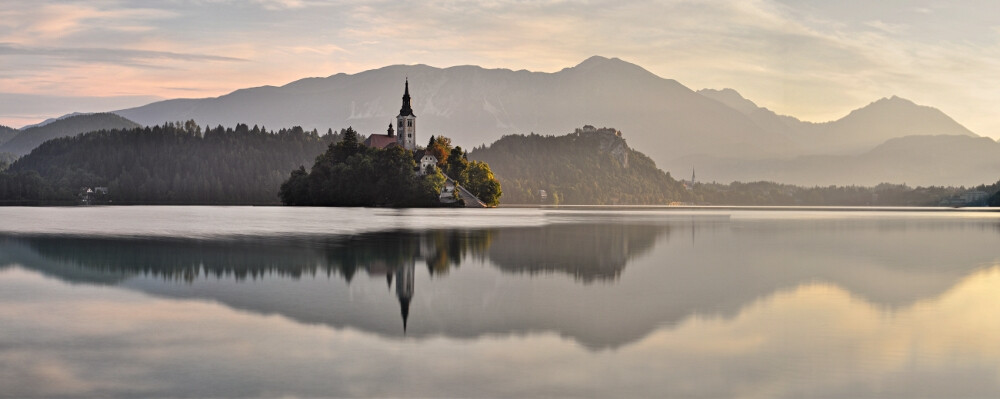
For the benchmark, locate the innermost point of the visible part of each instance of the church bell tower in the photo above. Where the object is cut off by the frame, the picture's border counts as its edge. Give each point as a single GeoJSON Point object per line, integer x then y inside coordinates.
{"type": "Point", "coordinates": [406, 123]}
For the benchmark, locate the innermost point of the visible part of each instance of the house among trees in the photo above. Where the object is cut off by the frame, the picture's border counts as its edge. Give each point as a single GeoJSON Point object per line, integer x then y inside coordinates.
{"type": "Point", "coordinates": [426, 162]}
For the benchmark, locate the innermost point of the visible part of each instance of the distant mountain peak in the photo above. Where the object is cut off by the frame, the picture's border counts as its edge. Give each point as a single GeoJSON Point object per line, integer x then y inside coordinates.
{"type": "Point", "coordinates": [596, 60]}
{"type": "Point", "coordinates": [604, 64]}
{"type": "Point", "coordinates": [895, 100]}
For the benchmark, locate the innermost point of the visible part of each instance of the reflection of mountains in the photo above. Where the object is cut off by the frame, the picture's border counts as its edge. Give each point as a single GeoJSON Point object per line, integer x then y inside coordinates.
{"type": "Point", "coordinates": [586, 251]}
{"type": "Point", "coordinates": [722, 269]}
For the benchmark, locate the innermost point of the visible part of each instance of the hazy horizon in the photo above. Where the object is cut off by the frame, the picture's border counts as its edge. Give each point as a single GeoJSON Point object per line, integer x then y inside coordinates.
{"type": "Point", "coordinates": [812, 60]}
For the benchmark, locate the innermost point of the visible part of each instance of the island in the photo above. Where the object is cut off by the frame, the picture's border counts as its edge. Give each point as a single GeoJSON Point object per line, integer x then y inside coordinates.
{"type": "Point", "coordinates": [390, 170]}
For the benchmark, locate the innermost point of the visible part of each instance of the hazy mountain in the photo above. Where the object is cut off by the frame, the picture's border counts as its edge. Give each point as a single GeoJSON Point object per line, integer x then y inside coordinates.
{"type": "Point", "coordinates": [473, 106]}
{"type": "Point", "coordinates": [859, 131]}
{"type": "Point", "coordinates": [50, 120]}
{"type": "Point", "coordinates": [26, 140]}
{"type": "Point", "coordinates": [948, 160]}
{"type": "Point", "coordinates": [714, 130]}
{"type": "Point", "coordinates": [787, 126]}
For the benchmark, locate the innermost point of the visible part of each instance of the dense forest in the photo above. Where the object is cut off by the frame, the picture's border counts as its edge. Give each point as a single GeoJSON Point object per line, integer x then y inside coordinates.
{"type": "Point", "coordinates": [177, 163]}
{"type": "Point", "coordinates": [6, 159]}
{"type": "Point", "coordinates": [352, 174]}
{"type": "Point", "coordinates": [589, 166]}
{"type": "Point", "coordinates": [26, 140]}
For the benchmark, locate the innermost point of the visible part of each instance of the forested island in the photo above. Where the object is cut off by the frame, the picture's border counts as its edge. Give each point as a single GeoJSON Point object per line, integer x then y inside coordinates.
{"type": "Point", "coordinates": [350, 173]}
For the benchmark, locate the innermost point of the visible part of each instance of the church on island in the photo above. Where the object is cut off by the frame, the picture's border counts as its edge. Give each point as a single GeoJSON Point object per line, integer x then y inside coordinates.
{"type": "Point", "coordinates": [405, 136]}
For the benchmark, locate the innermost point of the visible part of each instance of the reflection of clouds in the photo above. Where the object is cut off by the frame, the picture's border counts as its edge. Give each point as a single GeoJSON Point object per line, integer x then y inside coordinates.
{"type": "Point", "coordinates": [818, 340]}
{"type": "Point", "coordinates": [814, 340]}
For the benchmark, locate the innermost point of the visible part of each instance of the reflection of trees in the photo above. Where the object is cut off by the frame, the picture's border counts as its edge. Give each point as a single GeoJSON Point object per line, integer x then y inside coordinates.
{"type": "Point", "coordinates": [586, 251]}
{"type": "Point", "coordinates": [188, 260]}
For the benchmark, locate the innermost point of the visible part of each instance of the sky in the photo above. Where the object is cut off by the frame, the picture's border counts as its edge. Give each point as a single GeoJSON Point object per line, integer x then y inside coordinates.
{"type": "Point", "coordinates": [813, 59]}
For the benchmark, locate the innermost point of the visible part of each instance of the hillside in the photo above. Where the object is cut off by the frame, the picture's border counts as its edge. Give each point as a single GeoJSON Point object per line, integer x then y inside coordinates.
{"type": "Point", "coordinates": [7, 133]}
{"type": "Point", "coordinates": [589, 166]}
{"type": "Point", "coordinates": [169, 164]}
{"type": "Point", "coordinates": [914, 160]}
{"type": "Point", "coordinates": [28, 139]}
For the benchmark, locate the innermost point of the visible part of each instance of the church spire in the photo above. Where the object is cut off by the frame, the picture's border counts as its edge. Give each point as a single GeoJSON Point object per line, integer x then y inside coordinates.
{"type": "Point", "coordinates": [406, 110]}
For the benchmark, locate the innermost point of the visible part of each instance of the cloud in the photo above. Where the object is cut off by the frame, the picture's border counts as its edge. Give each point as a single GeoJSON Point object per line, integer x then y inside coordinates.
{"type": "Point", "coordinates": [43, 21]}
{"type": "Point", "coordinates": [814, 60]}
{"type": "Point", "coordinates": [280, 4]}
{"type": "Point", "coordinates": [109, 55]}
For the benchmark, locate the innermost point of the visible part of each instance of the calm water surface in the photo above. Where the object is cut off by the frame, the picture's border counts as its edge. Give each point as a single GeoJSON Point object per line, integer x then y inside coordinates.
{"type": "Point", "coordinates": [271, 302]}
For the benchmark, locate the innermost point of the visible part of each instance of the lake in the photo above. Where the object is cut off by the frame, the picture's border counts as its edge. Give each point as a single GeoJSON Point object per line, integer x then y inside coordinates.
{"type": "Point", "coordinates": [561, 302]}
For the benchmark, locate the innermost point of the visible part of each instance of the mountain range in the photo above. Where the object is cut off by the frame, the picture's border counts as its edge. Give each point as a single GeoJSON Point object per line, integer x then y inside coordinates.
{"type": "Point", "coordinates": [720, 133]}
{"type": "Point", "coordinates": [859, 131]}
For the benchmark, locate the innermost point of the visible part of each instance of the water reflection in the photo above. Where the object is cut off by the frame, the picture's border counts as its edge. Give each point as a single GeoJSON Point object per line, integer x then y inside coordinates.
{"type": "Point", "coordinates": [748, 307]}
{"type": "Point", "coordinates": [588, 252]}
{"type": "Point", "coordinates": [604, 282]}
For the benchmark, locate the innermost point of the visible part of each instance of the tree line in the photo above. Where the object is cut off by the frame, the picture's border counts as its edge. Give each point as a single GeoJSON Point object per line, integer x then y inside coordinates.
{"type": "Point", "coordinates": [776, 194]}
{"type": "Point", "coordinates": [176, 163]}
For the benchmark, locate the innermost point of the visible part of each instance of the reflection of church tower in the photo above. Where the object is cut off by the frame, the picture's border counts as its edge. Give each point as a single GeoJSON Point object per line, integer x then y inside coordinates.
{"type": "Point", "coordinates": [406, 123]}
{"type": "Point", "coordinates": [404, 288]}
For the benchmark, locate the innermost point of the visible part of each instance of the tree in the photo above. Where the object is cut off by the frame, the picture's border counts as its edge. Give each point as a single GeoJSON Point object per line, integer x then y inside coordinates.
{"type": "Point", "coordinates": [295, 190]}
{"type": "Point", "coordinates": [457, 163]}
{"type": "Point", "coordinates": [479, 180]}
{"type": "Point", "coordinates": [439, 147]}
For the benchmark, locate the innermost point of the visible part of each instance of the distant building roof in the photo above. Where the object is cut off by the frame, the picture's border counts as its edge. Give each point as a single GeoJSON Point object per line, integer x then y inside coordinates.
{"type": "Point", "coordinates": [380, 140]}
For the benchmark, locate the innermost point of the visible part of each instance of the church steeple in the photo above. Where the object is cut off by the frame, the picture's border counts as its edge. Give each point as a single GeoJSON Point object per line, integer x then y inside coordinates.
{"type": "Point", "coordinates": [406, 123]}
{"type": "Point", "coordinates": [406, 110]}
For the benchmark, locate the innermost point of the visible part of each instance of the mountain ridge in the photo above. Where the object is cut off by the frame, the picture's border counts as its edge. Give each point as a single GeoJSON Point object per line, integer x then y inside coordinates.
{"type": "Point", "coordinates": [671, 123]}
{"type": "Point", "coordinates": [28, 139]}
{"type": "Point", "coordinates": [860, 130]}
{"type": "Point", "coordinates": [475, 105]}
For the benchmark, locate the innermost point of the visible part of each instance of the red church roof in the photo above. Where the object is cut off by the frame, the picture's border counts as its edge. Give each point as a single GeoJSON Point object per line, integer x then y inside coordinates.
{"type": "Point", "coordinates": [380, 140]}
